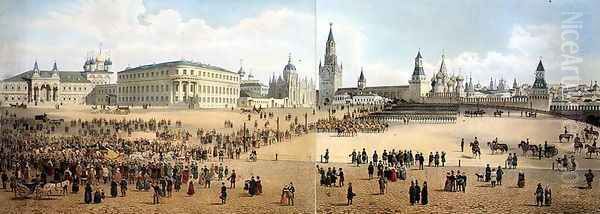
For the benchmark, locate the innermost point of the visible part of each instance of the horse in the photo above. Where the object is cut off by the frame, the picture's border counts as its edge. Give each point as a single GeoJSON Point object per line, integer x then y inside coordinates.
{"type": "Point", "coordinates": [591, 149]}
{"type": "Point", "coordinates": [498, 146]}
{"type": "Point", "coordinates": [565, 136]}
{"type": "Point", "coordinates": [528, 147]}
{"type": "Point", "coordinates": [50, 188]}
{"type": "Point", "coordinates": [577, 146]}
{"type": "Point", "coordinates": [524, 146]}
{"type": "Point", "coordinates": [475, 150]}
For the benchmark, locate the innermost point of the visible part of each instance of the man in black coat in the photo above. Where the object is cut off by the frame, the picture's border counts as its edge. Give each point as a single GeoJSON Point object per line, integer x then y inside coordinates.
{"type": "Point", "coordinates": [417, 192]}
{"type": "Point", "coordinates": [411, 193]}
{"type": "Point", "coordinates": [350, 195]}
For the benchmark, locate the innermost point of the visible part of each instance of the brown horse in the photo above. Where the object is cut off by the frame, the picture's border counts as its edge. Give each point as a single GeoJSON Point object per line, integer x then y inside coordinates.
{"type": "Point", "coordinates": [494, 146]}
{"type": "Point", "coordinates": [528, 147]}
{"type": "Point", "coordinates": [592, 150]}
{"type": "Point", "coordinates": [475, 150]}
{"type": "Point", "coordinates": [565, 136]}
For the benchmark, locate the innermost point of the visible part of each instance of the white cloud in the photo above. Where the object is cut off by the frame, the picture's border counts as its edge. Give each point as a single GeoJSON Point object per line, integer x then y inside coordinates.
{"type": "Point", "coordinates": [135, 37]}
{"type": "Point", "coordinates": [519, 60]}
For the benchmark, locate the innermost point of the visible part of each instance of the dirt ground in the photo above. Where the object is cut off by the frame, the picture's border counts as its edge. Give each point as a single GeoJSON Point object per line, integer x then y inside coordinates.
{"type": "Point", "coordinates": [297, 159]}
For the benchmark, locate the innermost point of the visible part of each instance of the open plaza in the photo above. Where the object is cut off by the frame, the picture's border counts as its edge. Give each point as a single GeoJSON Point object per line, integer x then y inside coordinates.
{"type": "Point", "coordinates": [295, 159]}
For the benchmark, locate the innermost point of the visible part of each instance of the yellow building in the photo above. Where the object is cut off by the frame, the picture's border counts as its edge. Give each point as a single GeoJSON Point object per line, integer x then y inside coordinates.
{"type": "Point", "coordinates": [183, 83]}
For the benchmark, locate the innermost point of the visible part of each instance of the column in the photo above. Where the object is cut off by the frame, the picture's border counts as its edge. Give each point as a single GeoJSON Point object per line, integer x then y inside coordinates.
{"type": "Point", "coordinates": [179, 91]}
{"type": "Point", "coordinates": [171, 90]}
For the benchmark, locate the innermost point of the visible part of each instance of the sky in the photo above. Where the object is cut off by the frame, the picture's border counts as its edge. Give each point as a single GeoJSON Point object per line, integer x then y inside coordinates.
{"type": "Point", "coordinates": [482, 39]}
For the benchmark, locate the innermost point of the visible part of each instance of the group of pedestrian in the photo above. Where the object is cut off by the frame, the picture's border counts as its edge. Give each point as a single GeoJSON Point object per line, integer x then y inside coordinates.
{"type": "Point", "coordinates": [418, 194]}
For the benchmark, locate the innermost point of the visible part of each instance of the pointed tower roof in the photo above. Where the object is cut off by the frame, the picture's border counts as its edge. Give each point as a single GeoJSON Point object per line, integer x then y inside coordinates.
{"type": "Point", "coordinates": [443, 65]}
{"type": "Point", "coordinates": [540, 81]}
{"type": "Point", "coordinates": [361, 78]}
{"type": "Point", "coordinates": [35, 67]}
{"type": "Point", "coordinates": [54, 67]}
{"type": "Point", "coordinates": [330, 37]}
{"type": "Point", "coordinates": [540, 66]}
{"type": "Point", "coordinates": [418, 65]}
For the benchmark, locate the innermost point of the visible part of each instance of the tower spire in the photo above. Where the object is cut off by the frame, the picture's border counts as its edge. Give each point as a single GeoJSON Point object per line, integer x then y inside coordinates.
{"type": "Point", "coordinates": [443, 64]}
{"type": "Point", "coordinates": [418, 71]}
{"type": "Point", "coordinates": [54, 67]}
{"type": "Point", "coordinates": [330, 37]}
{"type": "Point", "coordinates": [35, 66]}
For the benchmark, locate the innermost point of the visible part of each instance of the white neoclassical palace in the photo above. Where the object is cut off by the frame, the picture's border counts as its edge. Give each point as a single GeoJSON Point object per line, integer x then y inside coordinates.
{"type": "Point", "coordinates": [178, 83]}
{"type": "Point", "coordinates": [56, 86]}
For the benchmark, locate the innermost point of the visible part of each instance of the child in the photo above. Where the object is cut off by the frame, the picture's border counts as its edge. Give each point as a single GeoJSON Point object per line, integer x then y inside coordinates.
{"type": "Point", "coordinates": [493, 178]}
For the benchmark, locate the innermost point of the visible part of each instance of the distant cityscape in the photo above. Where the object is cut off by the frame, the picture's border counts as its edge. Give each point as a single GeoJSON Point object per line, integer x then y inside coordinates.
{"type": "Point", "coordinates": [199, 85]}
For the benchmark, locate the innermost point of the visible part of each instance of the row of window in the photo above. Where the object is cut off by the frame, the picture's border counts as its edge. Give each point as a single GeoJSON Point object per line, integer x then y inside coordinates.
{"type": "Point", "coordinates": [166, 99]}
{"type": "Point", "coordinates": [65, 88]}
{"type": "Point", "coordinates": [165, 88]}
{"type": "Point", "coordinates": [11, 98]}
{"type": "Point", "coordinates": [149, 74]}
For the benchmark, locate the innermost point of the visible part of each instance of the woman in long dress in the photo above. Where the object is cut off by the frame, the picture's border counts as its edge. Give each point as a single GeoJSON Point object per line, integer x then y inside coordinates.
{"type": "Point", "coordinates": [113, 188]}
{"type": "Point", "coordinates": [191, 190]}
{"type": "Point", "coordinates": [424, 194]}
{"type": "Point", "coordinates": [259, 185]}
{"type": "Point", "coordinates": [87, 196]}
{"type": "Point", "coordinates": [393, 175]}
{"type": "Point", "coordinates": [185, 175]}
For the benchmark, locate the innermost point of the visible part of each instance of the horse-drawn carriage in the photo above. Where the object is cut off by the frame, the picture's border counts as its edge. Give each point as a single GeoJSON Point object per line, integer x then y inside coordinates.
{"type": "Point", "coordinates": [24, 190]}
{"type": "Point", "coordinates": [498, 113]}
{"type": "Point", "coordinates": [22, 105]}
{"type": "Point", "coordinates": [56, 121]}
{"type": "Point", "coordinates": [42, 117]}
{"type": "Point", "coordinates": [122, 110]}
{"type": "Point", "coordinates": [531, 114]}
{"type": "Point", "coordinates": [590, 133]}
{"type": "Point", "coordinates": [551, 151]}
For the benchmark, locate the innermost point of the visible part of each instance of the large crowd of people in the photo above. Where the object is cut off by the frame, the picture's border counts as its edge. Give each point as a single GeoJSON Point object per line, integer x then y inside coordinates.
{"type": "Point", "coordinates": [103, 152]}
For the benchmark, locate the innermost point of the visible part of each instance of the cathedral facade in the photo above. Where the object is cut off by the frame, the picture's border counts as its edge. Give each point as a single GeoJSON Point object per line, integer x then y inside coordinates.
{"type": "Point", "coordinates": [297, 91]}
{"type": "Point", "coordinates": [443, 84]}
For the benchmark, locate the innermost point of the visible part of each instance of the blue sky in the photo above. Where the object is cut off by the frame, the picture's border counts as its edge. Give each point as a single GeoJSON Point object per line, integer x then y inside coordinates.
{"type": "Point", "coordinates": [500, 38]}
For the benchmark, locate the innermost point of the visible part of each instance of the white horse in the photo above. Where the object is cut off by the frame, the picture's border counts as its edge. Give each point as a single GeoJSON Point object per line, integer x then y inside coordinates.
{"type": "Point", "coordinates": [50, 188]}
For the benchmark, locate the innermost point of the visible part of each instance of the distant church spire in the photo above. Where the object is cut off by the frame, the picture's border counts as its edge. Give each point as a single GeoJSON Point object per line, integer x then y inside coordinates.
{"type": "Point", "coordinates": [361, 79]}
{"type": "Point", "coordinates": [330, 37]}
{"type": "Point", "coordinates": [54, 67]}
{"type": "Point", "coordinates": [443, 64]}
{"type": "Point", "coordinates": [330, 57]}
{"type": "Point", "coordinates": [35, 67]}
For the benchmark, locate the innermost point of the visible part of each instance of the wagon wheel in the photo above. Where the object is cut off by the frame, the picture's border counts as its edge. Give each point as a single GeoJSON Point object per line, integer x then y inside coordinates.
{"type": "Point", "coordinates": [21, 191]}
{"type": "Point", "coordinates": [37, 192]}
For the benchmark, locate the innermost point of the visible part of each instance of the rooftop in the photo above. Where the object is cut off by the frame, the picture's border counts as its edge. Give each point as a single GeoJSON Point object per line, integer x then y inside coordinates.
{"type": "Point", "coordinates": [177, 63]}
